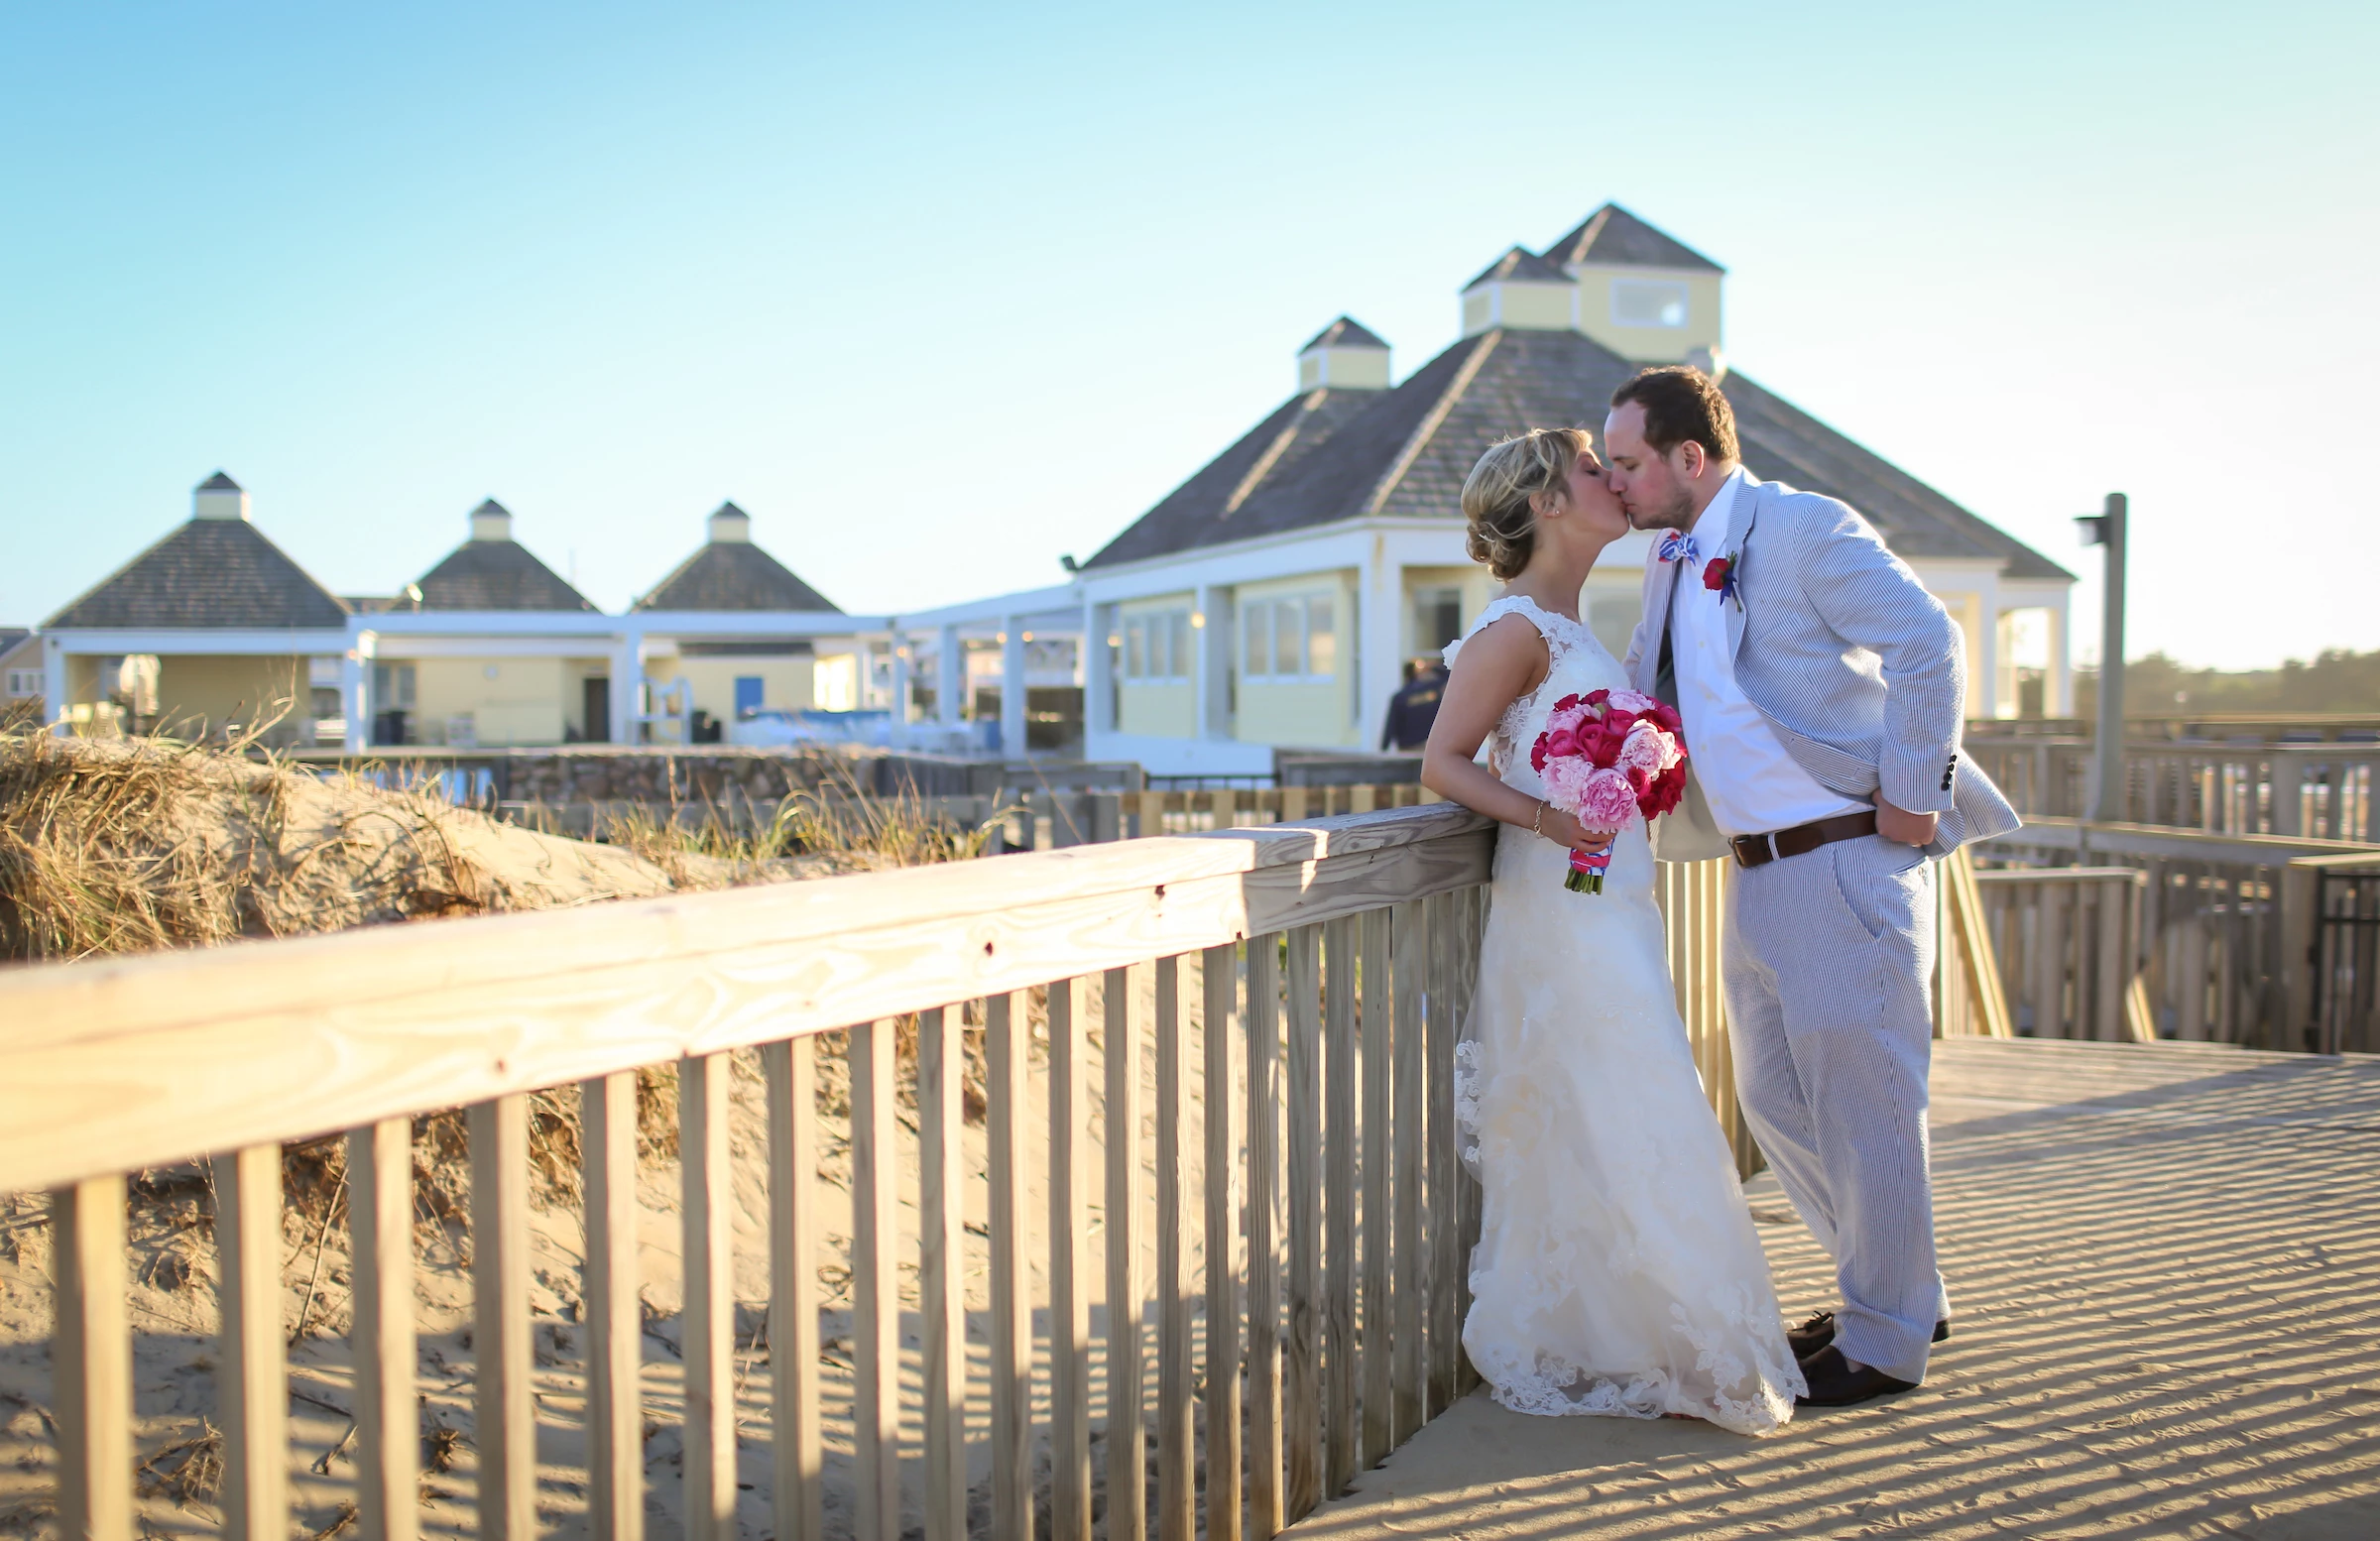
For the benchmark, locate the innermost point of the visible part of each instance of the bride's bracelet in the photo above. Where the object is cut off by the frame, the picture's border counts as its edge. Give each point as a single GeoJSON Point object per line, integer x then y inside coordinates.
{"type": "Point", "coordinates": [1537, 824]}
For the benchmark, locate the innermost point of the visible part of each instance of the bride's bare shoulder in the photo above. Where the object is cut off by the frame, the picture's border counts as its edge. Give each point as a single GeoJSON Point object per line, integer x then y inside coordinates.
{"type": "Point", "coordinates": [1507, 653]}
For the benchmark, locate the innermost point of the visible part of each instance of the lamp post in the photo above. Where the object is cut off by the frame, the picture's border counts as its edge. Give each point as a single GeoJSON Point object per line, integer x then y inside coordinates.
{"type": "Point", "coordinates": [2107, 760]}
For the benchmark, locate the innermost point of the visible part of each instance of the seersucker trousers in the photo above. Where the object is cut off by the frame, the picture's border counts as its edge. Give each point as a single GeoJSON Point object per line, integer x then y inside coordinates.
{"type": "Point", "coordinates": [1826, 962]}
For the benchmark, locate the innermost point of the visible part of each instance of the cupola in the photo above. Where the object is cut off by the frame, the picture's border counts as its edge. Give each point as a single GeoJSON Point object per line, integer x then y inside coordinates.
{"type": "Point", "coordinates": [491, 521]}
{"type": "Point", "coordinates": [1523, 291]}
{"type": "Point", "coordinates": [1343, 356]}
{"type": "Point", "coordinates": [219, 497]}
{"type": "Point", "coordinates": [1642, 294]}
{"type": "Point", "coordinates": [730, 526]}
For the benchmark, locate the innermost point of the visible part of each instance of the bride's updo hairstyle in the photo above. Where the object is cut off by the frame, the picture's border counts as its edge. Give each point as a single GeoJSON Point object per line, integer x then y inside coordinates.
{"type": "Point", "coordinates": [1499, 497]}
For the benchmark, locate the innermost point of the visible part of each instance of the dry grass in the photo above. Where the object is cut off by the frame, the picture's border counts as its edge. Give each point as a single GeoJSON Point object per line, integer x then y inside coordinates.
{"type": "Point", "coordinates": [133, 845]}
{"type": "Point", "coordinates": [835, 827]}
{"type": "Point", "coordinates": [188, 1470]}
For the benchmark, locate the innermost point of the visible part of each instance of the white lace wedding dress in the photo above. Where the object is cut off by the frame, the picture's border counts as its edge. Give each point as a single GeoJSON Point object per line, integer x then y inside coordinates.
{"type": "Point", "coordinates": [1617, 1271]}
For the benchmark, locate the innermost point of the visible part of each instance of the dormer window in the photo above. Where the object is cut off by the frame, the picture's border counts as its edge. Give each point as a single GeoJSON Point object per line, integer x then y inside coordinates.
{"type": "Point", "coordinates": [1647, 302]}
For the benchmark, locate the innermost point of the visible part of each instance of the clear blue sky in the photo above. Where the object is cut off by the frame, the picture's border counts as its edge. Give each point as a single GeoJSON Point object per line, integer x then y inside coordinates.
{"type": "Point", "coordinates": [939, 293]}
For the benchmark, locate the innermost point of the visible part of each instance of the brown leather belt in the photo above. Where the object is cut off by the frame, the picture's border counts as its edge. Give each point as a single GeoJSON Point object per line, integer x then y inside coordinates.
{"type": "Point", "coordinates": [1760, 850]}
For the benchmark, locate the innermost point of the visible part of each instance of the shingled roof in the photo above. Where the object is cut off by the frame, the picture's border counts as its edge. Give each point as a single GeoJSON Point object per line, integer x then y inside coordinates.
{"type": "Point", "coordinates": [1613, 237]}
{"type": "Point", "coordinates": [1521, 266]}
{"type": "Point", "coordinates": [496, 575]}
{"type": "Point", "coordinates": [734, 576]}
{"type": "Point", "coordinates": [213, 573]}
{"type": "Point", "coordinates": [1345, 332]}
{"type": "Point", "coordinates": [1405, 452]}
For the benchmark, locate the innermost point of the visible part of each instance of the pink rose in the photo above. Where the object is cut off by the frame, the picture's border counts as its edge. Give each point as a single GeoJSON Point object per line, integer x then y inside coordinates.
{"type": "Point", "coordinates": [1630, 701]}
{"type": "Point", "coordinates": [1641, 749]}
{"type": "Point", "coordinates": [1606, 800]}
{"type": "Point", "coordinates": [1565, 782]}
{"type": "Point", "coordinates": [1561, 742]}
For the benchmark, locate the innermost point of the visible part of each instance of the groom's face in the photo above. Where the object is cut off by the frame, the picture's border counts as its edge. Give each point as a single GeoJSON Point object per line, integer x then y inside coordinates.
{"type": "Point", "coordinates": [1651, 486]}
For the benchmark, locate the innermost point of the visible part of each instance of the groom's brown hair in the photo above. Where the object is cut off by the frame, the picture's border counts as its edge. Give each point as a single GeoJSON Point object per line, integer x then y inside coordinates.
{"type": "Point", "coordinates": [1682, 404]}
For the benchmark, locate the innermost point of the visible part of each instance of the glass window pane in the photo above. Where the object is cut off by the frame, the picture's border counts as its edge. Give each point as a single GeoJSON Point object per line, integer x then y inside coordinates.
{"type": "Point", "coordinates": [1256, 639]}
{"type": "Point", "coordinates": [1181, 644]}
{"type": "Point", "coordinates": [1289, 640]}
{"type": "Point", "coordinates": [1136, 654]}
{"type": "Point", "coordinates": [1322, 643]}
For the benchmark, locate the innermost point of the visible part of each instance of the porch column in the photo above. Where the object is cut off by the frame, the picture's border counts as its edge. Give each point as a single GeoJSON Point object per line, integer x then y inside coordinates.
{"type": "Point", "coordinates": [901, 678]}
{"type": "Point", "coordinates": [355, 697]}
{"type": "Point", "coordinates": [1986, 694]}
{"type": "Point", "coordinates": [1380, 612]}
{"type": "Point", "coordinates": [627, 680]}
{"type": "Point", "coordinates": [54, 684]}
{"type": "Point", "coordinates": [1211, 655]}
{"type": "Point", "coordinates": [1012, 686]}
{"type": "Point", "coordinates": [2060, 696]}
{"type": "Point", "coordinates": [1099, 668]}
{"type": "Point", "coordinates": [950, 677]}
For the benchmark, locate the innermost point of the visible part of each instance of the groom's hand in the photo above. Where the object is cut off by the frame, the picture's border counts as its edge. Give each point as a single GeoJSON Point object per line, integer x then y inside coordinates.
{"type": "Point", "coordinates": [1910, 829]}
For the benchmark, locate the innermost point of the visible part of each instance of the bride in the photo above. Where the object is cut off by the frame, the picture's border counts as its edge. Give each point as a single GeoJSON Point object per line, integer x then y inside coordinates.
{"type": "Point", "coordinates": [1617, 1271]}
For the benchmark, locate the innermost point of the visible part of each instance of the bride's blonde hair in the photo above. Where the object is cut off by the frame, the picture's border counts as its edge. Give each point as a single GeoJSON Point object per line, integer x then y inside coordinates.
{"type": "Point", "coordinates": [1499, 497]}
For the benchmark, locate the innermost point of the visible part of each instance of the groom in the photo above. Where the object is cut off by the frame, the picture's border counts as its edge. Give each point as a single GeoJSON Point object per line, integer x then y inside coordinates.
{"type": "Point", "coordinates": [1823, 690]}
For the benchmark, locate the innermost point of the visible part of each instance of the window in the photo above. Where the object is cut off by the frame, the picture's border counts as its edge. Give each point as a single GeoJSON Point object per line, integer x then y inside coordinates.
{"type": "Point", "coordinates": [1156, 647]}
{"type": "Point", "coordinates": [1288, 638]}
{"type": "Point", "coordinates": [392, 686]}
{"type": "Point", "coordinates": [1437, 619]}
{"type": "Point", "coordinates": [748, 696]}
{"type": "Point", "coordinates": [26, 682]}
{"type": "Point", "coordinates": [1647, 302]}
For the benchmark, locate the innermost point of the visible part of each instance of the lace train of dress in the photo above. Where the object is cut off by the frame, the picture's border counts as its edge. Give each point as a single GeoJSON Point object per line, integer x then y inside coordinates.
{"type": "Point", "coordinates": [1617, 1271]}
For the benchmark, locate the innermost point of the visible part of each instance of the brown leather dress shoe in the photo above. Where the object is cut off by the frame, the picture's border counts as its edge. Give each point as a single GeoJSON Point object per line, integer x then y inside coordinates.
{"type": "Point", "coordinates": [1835, 1383]}
{"type": "Point", "coordinates": [1818, 1331]}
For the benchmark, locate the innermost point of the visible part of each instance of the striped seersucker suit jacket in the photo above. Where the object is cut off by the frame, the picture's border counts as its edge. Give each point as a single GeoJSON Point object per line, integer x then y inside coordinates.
{"type": "Point", "coordinates": [1859, 671]}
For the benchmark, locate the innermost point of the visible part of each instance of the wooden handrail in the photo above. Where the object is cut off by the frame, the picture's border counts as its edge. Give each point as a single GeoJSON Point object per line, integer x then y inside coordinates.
{"type": "Point", "coordinates": [118, 1065]}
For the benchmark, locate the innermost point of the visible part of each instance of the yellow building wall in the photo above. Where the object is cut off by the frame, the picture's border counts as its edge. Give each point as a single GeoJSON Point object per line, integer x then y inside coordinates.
{"type": "Point", "coordinates": [1165, 710]}
{"type": "Point", "coordinates": [200, 693]}
{"type": "Point", "coordinates": [1296, 716]}
{"type": "Point", "coordinates": [785, 681]}
{"type": "Point", "coordinates": [1652, 344]}
{"type": "Point", "coordinates": [511, 702]}
{"type": "Point", "coordinates": [1299, 714]}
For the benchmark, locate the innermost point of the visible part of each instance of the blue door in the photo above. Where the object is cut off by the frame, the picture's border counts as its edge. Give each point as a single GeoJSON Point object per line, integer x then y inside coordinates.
{"type": "Point", "coordinates": [748, 695]}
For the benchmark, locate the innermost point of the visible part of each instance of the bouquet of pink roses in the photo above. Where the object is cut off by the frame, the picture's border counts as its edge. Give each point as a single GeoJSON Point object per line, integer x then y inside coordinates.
{"type": "Point", "coordinates": [1609, 757]}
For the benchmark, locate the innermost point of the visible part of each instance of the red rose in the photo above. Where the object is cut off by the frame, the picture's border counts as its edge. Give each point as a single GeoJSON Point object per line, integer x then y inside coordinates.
{"type": "Point", "coordinates": [1665, 716]}
{"type": "Point", "coordinates": [1560, 743]}
{"type": "Point", "coordinates": [1667, 791]}
{"type": "Point", "coordinates": [1598, 697]}
{"type": "Point", "coordinates": [1566, 703]}
{"type": "Point", "coordinates": [1599, 743]}
{"type": "Point", "coordinates": [1715, 573]}
{"type": "Point", "coordinates": [1537, 755]}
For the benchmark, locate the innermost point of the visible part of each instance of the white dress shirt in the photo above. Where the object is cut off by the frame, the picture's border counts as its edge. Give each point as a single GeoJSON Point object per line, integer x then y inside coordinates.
{"type": "Point", "coordinates": [1753, 787]}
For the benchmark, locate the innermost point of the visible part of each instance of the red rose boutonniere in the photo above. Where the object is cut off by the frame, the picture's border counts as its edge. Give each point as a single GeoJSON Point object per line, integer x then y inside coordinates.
{"type": "Point", "coordinates": [1719, 574]}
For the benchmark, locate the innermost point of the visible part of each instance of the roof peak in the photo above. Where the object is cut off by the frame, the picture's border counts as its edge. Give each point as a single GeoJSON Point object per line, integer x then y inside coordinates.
{"type": "Point", "coordinates": [1613, 237]}
{"type": "Point", "coordinates": [1345, 332]}
{"type": "Point", "coordinates": [1518, 266]}
{"type": "Point", "coordinates": [219, 482]}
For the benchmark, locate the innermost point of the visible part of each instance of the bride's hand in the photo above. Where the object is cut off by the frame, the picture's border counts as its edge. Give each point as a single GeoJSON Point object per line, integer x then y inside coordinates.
{"type": "Point", "coordinates": [1564, 830]}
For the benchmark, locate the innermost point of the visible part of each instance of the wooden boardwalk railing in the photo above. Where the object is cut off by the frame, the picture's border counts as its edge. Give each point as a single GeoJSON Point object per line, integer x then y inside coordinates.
{"type": "Point", "coordinates": [1309, 1217]}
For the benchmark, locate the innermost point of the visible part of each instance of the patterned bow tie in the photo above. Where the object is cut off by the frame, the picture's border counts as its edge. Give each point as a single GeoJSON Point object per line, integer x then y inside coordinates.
{"type": "Point", "coordinates": [1676, 543]}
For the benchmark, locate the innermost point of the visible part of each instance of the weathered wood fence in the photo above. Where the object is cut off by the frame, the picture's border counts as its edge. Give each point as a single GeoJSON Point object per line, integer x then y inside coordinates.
{"type": "Point", "coordinates": [1309, 1217]}
{"type": "Point", "coordinates": [2318, 790]}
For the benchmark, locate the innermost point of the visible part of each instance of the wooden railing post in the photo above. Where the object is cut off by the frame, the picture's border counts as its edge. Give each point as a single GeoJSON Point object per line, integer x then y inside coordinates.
{"type": "Point", "coordinates": [90, 1360]}
{"type": "Point", "coordinates": [1219, 972]}
{"type": "Point", "coordinates": [252, 1375]}
{"type": "Point", "coordinates": [796, 1465]}
{"type": "Point", "coordinates": [505, 1420]}
{"type": "Point", "coordinates": [1266, 1512]}
{"type": "Point", "coordinates": [1340, 1132]}
{"type": "Point", "coordinates": [1069, 1273]}
{"type": "Point", "coordinates": [1176, 1491]}
{"type": "Point", "coordinates": [706, 1203]}
{"type": "Point", "coordinates": [1409, 1142]}
{"type": "Point", "coordinates": [379, 1227]}
{"type": "Point", "coordinates": [1376, 1233]}
{"type": "Point", "coordinates": [1303, 1424]}
{"type": "Point", "coordinates": [1128, 1470]}
{"type": "Point", "coordinates": [875, 1287]}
